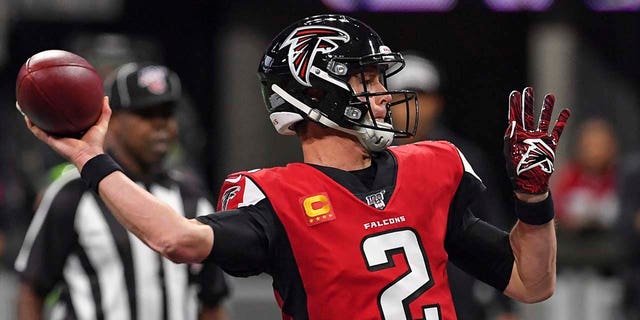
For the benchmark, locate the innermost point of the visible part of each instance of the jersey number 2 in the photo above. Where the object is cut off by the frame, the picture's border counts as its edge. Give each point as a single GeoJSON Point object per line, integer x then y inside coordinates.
{"type": "Point", "coordinates": [394, 299]}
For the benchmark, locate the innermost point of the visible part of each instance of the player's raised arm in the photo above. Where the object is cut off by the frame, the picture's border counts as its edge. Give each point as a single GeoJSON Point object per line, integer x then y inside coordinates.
{"type": "Point", "coordinates": [157, 224]}
{"type": "Point", "coordinates": [530, 155]}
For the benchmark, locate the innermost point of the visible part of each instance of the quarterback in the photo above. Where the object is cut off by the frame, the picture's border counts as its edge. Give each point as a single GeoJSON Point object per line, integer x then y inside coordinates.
{"type": "Point", "coordinates": [359, 230]}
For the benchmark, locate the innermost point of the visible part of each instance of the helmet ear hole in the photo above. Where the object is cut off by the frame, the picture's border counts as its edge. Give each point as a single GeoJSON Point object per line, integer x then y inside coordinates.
{"type": "Point", "coordinates": [316, 94]}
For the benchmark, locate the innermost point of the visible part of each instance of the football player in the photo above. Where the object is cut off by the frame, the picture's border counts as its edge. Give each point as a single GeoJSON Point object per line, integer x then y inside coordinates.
{"type": "Point", "coordinates": [358, 230]}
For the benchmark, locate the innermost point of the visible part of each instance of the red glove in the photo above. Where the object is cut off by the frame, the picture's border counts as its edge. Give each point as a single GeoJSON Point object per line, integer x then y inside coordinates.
{"type": "Point", "coordinates": [530, 150]}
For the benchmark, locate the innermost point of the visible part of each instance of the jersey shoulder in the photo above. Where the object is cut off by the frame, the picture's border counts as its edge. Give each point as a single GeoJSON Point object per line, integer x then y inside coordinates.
{"type": "Point", "coordinates": [432, 150]}
{"type": "Point", "coordinates": [239, 190]}
{"type": "Point", "coordinates": [440, 147]}
{"type": "Point", "coordinates": [245, 188]}
{"type": "Point", "coordinates": [440, 150]}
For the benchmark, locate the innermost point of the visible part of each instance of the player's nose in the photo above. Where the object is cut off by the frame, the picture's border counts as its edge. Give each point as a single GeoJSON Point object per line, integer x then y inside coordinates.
{"type": "Point", "coordinates": [381, 100]}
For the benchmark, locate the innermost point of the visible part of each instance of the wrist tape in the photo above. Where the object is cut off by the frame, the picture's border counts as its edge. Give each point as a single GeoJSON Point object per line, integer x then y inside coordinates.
{"type": "Point", "coordinates": [537, 213]}
{"type": "Point", "coordinates": [96, 169]}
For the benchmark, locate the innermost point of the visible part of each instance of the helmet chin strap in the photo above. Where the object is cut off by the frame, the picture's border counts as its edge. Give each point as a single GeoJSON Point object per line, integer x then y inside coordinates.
{"type": "Point", "coordinates": [376, 140]}
{"type": "Point", "coordinates": [372, 140]}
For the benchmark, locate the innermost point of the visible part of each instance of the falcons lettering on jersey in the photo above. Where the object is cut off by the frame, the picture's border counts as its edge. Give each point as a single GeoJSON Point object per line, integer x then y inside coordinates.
{"type": "Point", "coordinates": [305, 42]}
{"type": "Point", "coordinates": [238, 191]}
{"type": "Point", "coordinates": [538, 154]}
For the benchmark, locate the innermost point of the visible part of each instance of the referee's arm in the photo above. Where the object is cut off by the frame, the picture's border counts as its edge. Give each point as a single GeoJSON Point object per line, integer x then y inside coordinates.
{"type": "Point", "coordinates": [47, 245]}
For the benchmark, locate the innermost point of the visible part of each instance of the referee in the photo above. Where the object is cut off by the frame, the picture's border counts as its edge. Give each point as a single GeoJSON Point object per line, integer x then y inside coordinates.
{"type": "Point", "coordinates": [76, 248]}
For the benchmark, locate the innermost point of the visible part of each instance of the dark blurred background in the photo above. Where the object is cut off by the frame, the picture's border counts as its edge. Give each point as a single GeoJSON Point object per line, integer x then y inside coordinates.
{"type": "Point", "coordinates": [583, 50]}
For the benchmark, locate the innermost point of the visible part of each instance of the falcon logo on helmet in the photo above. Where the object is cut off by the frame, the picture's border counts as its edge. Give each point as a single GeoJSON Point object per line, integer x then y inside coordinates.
{"type": "Point", "coordinates": [305, 42]}
{"type": "Point", "coordinates": [539, 154]}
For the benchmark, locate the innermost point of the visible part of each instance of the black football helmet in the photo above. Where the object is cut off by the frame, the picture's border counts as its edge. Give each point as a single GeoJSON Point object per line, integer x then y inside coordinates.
{"type": "Point", "coordinates": [305, 71]}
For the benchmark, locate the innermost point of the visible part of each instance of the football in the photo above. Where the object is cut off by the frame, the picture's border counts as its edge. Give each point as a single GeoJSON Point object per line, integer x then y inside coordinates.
{"type": "Point", "coordinates": [60, 92]}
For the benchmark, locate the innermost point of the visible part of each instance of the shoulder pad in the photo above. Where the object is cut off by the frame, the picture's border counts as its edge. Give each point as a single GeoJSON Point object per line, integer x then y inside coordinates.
{"type": "Point", "coordinates": [238, 191]}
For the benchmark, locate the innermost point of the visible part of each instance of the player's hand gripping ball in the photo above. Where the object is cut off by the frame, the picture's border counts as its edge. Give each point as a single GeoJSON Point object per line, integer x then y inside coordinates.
{"type": "Point", "coordinates": [60, 92]}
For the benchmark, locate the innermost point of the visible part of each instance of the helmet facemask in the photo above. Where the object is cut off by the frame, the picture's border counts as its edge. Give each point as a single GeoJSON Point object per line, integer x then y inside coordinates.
{"type": "Point", "coordinates": [356, 116]}
{"type": "Point", "coordinates": [387, 64]}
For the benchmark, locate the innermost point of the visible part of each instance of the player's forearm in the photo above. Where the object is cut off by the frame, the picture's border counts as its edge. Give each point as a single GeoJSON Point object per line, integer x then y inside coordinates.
{"type": "Point", "coordinates": [154, 222]}
{"type": "Point", "coordinates": [534, 249]}
{"type": "Point", "coordinates": [530, 151]}
{"type": "Point", "coordinates": [29, 303]}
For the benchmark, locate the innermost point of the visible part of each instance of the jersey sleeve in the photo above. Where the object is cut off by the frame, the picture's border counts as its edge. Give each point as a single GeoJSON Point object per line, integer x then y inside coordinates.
{"type": "Point", "coordinates": [473, 245]}
{"type": "Point", "coordinates": [471, 185]}
{"type": "Point", "coordinates": [212, 285]}
{"type": "Point", "coordinates": [243, 228]}
{"type": "Point", "coordinates": [238, 191]}
{"type": "Point", "coordinates": [211, 280]}
{"type": "Point", "coordinates": [51, 236]}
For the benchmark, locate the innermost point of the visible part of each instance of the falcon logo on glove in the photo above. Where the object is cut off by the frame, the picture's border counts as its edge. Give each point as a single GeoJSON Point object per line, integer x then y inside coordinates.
{"type": "Point", "coordinates": [539, 154]}
{"type": "Point", "coordinates": [530, 149]}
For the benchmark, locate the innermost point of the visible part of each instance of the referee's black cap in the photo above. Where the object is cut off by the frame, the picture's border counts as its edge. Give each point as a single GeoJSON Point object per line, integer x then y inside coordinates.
{"type": "Point", "coordinates": [134, 86]}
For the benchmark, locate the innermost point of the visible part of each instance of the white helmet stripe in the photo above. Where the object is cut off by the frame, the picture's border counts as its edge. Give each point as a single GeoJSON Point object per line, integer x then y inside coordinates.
{"type": "Point", "coordinates": [313, 114]}
{"type": "Point", "coordinates": [326, 77]}
{"type": "Point", "coordinates": [372, 140]}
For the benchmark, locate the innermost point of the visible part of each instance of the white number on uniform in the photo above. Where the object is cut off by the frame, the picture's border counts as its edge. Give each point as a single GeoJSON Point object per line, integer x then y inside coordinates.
{"type": "Point", "coordinates": [395, 298]}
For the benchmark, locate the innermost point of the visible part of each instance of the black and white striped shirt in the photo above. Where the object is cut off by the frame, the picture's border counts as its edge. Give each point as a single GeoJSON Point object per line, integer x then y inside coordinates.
{"type": "Point", "coordinates": [104, 271]}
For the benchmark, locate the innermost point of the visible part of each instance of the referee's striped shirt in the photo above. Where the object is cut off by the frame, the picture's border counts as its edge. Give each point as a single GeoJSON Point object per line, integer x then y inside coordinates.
{"type": "Point", "coordinates": [104, 271]}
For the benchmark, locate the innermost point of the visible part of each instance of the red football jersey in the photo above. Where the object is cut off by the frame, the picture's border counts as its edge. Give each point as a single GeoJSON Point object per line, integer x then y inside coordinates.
{"type": "Point", "coordinates": [360, 262]}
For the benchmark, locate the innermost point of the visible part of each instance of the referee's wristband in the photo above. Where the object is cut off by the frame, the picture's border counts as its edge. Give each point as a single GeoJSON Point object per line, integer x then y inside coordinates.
{"type": "Point", "coordinates": [537, 213]}
{"type": "Point", "coordinates": [96, 169]}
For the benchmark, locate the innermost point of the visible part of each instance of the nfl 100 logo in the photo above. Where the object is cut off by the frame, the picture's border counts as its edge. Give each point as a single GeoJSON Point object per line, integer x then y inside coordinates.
{"type": "Point", "coordinates": [376, 200]}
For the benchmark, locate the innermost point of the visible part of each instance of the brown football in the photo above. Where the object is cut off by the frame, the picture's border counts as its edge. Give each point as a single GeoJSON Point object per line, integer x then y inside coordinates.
{"type": "Point", "coordinates": [60, 92]}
